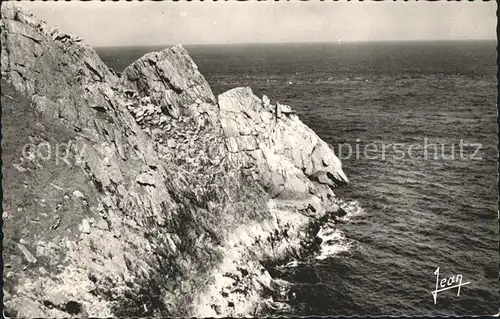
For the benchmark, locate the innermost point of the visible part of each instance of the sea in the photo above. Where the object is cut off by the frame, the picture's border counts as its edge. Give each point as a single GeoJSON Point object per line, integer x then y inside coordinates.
{"type": "Point", "coordinates": [415, 125]}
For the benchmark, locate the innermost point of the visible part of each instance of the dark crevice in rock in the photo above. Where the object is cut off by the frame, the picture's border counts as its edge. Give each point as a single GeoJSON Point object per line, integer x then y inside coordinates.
{"type": "Point", "coordinates": [31, 38]}
{"type": "Point", "coordinates": [94, 71]}
{"type": "Point", "coordinates": [146, 184]}
{"type": "Point", "coordinates": [48, 304]}
{"type": "Point", "coordinates": [164, 79]}
{"type": "Point", "coordinates": [99, 108]}
{"type": "Point", "coordinates": [73, 307]}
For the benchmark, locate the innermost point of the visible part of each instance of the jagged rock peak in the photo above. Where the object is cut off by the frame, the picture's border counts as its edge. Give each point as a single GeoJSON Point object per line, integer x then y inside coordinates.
{"type": "Point", "coordinates": [12, 11]}
{"type": "Point", "coordinates": [171, 79]}
{"type": "Point", "coordinates": [28, 43]}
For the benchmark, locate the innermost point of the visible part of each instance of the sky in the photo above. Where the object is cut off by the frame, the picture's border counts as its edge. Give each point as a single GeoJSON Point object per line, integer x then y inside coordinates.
{"type": "Point", "coordinates": [156, 23]}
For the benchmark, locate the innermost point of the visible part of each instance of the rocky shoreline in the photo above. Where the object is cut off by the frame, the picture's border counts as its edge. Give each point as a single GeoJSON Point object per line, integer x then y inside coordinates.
{"type": "Point", "coordinates": [173, 200]}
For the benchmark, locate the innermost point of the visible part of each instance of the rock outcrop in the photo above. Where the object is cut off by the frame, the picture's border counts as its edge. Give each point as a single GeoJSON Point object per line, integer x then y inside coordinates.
{"type": "Point", "coordinates": [289, 155]}
{"type": "Point", "coordinates": [169, 79]}
{"type": "Point", "coordinates": [165, 201]}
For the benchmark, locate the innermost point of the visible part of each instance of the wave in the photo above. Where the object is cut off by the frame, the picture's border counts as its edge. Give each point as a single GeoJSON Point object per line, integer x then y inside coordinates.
{"type": "Point", "coordinates": [352, 209]}
{"type": "Point", "coordinates": [290, 275]}
{"type": "Point", "coordinates": [291, 264]}
{"type": "Point", "coordinates": [333, 243]}
{"type": "Point", "coordinates": [333, 240]}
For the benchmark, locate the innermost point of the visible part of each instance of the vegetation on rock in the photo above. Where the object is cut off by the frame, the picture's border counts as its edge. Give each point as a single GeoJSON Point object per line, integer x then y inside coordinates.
{"type": "Point", "coordinates": [168, 200]}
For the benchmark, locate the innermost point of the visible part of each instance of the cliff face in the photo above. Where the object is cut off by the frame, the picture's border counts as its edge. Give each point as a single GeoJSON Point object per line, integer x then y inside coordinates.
{"type": "Point", "coordinates": [156, 198]}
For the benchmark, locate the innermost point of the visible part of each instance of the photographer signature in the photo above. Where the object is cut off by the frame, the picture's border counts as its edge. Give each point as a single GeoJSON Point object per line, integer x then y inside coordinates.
{"type": "Point", "coordinates": [447, 283]}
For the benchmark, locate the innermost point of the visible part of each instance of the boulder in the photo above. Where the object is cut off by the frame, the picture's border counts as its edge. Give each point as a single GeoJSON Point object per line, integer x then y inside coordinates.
{"type": "Point", "coordinates": [171, 143]}
{"type": "Point", "coordinates": [266, 101]}
{"type": "Point", "coordinates": [284, 109]}
{"type": "Point", "coordinates": [85, 227]}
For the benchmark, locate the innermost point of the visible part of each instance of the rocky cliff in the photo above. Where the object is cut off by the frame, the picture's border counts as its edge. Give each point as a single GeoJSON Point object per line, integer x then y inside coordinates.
{"type": "Point", "coordinates": [144, 194]}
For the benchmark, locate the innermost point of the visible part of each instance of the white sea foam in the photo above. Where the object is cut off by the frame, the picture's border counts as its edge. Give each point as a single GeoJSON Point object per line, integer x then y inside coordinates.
{"type": "Point", "coordinates": [352, 209]}
{"type": "Point", "coordinates": [291, 264]}
{"type": "Point", "coordinates": [333, 242]}
{"type": "Point", "coordinates": [333, 239]}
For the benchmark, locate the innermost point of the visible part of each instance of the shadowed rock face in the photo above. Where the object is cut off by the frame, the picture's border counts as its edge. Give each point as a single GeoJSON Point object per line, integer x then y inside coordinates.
{"type": "Point", "coordinates": [163, 189]}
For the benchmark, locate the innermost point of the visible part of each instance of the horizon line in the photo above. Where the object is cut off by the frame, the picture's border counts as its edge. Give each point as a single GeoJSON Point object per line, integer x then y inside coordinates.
{"type": "Point", "coordinates": [300, 42]}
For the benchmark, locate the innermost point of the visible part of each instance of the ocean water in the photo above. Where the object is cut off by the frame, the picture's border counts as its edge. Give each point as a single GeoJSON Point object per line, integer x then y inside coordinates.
{"type": "Point", "coordinates": [434, 206]}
